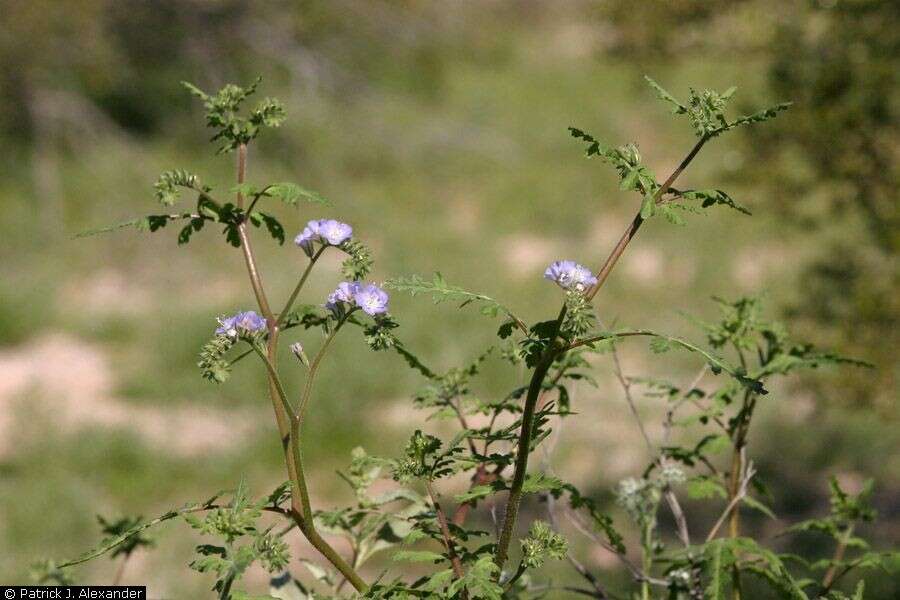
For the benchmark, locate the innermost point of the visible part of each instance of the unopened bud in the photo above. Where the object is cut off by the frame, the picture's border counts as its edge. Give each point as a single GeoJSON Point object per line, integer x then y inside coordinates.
{"type": "Point", "coordinates": [297, 349]}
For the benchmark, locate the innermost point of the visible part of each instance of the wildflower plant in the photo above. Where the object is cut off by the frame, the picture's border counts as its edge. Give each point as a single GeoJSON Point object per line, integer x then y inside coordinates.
{"type": "Point", "coordinates": [437, 552]}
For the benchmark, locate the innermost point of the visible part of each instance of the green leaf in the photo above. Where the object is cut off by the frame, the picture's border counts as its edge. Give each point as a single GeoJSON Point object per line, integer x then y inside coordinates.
{"type": "Point", "coordinates": [117, 540]}
{"type": "Point", "coordinates": [272, 224]}
{"type": "Point", "coordinates": [757, 117]}
{"type": "Point", "coordinates": [123, 525]}
{"type": "Point", "coordinates": [441, 291]}
{"type": "Point", "coordinates": [479, 581]}
{"type": "Point", "coordinates": [538, 482]}
{"type": "Point", "coordinates": [705, 487]}
{"type": "Point", "coordinates": [418, 556]}
{"type": "Point", "coordinates": [149, 223]}
{"type": "Point", "coordinates": [476, 492]}
{"type": "Point", "coordinates": [718, 563]}
{"type": "Point", "coordinates": [359, 260]}
{"type": "Point", "coordinates": [660, 345]}
{"type": "Point", "coordinates": [648, 207]}
{"type": "Point", "coordinates": [223, 114]}
{"type": "Point", "coordinates": [269, 113]}
{"type": "Point", "coordinates": [292, 194]}
{"type": "Point", "coordinates": [677, 107]}
{"type": "Point", "coordinates": [711, 197]}
{"type": "Point", "coordinates": [542, 543]}
{"type": "Point", "coordinates": [714, 444]}
{"type": "Point", "coordinates": [757, 505]}
{"type": "Point", "coordinates": [168, 184]}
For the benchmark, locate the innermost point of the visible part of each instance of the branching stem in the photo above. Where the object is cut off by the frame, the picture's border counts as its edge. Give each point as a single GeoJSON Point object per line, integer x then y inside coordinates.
{"type": "Point", "coordinates": [445, 532]}
{"type": "Point", "coordinates": [289, 421]}
{"type": "Point", "coordinates": [552, 353]}
{"type": "Point", "coordinates": [638, 220]}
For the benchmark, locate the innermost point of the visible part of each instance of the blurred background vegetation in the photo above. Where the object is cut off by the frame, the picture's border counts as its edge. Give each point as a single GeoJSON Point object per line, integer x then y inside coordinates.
{"type": "Point", "coordinates": [439, 131]}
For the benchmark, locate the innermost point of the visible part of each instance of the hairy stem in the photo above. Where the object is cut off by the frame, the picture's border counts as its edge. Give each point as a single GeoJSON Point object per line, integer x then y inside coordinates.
{"type": "Point", "coordinates": [246, 248]}
{"type": "Point", "coordinates": [739, 443]}
{"type": "Point", "coordinates": [332, 556]}
{"type": "Point", "coordinates": [288, 421]}
{"type": "Point", "coordinates": [829, 578]}
{"type": "Point", "coordinates": [524, 445]}
{"type": "Point", "coordinates": [646, 557]}
{"type": "Point", "coordinates": [636, 223]}
{"type": "Point", "coordinates": [512, 580]}
{"type": "Point", "coordinates": [543, 366]}
{"type": "Point", "coordinates": [445, 532]}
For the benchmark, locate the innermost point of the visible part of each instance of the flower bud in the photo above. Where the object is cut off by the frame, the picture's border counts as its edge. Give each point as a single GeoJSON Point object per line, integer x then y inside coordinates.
{"type": "Point", "coordinates": [297, 349]}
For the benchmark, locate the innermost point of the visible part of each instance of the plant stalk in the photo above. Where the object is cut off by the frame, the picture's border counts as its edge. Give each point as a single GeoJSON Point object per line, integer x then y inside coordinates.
{"type": "Point", "coordinates": [288, 423]}
{"type": "Point", "coordinates": [298, 287]}
{"type": "Point", "coordinates": [542, 368]}
{"type": "Point", "coordinates": [638, 220]}
{"type": "Point", "coordinates": [445, 532]}
{"type": "Point", "coordinates": [524, 445]}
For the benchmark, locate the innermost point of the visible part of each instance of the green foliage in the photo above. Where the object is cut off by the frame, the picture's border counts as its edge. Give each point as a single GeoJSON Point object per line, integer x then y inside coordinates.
{"type": "Point", "coordinates": [123, 525]}
{"type": "Point", "coordinates": [238, 521]}
{"type": "Point", "coordinates": [359, 260]}
{"type": "Point", "coordinates": [425, 459]}
{"type": "Point", "coordinates": [441, 291]}
{"type": "Point", "coordinates": [480, 581]}
{"type": "Point", "coordinates": [46, 572]}
{"type": "Point", "coordinates": [222, 109]}
{"type": "Point", "coordinates": [222, 114]}
{"type": "Point", "coordinates": [290, 194]}
{"type": "Point", "coordinates": [379, 335]}
{"type": "Point", "coordinates": [706, 110]}
{"type": "Point", "coordinates": [168, 184]}
{"type": "Point", "coordinates": [709, 198]}
{"type": "Point", "coordinates": [212, 363]}
{"type": "Point", "coordinates": [542, 543]}
{"type": "Point", "coordinates": [626, 160]}
{"type": "Point", "coordinates": [494, 435]}
{"type": "Point", "coordinates": [580, 317]}
{"type": "Point", "coordinates": [847, 511]}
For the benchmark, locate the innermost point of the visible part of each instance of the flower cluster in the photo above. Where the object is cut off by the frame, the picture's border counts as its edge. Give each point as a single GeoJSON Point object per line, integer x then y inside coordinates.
{"type": "Point", "coordinates": [638, 497]}
{"type": "Point", "coordinates": [351, 294]}
{"type": "Point", "coordinates": [244, 323]}
{"type": "Point", "coordinates": [326, 231]}
{"type": "Point", "coordinates": [569, 275]}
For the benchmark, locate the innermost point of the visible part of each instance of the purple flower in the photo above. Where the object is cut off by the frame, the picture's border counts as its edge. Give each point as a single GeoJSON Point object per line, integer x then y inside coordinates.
{"type": "Point", "coordinates": [569, 275]}
{"type": "Point", "coordinates": [334, 232]}
{"type": "Point", "coordinates": [242, 323]}
{"type": "Point", "coordinates": [371, 299]}
{"type": "Point", "coordinates": [326, 231]}
{"type": "Point", "coordinates": [344, 294]}
{"type": "Point", "coordinates": [305, 239]}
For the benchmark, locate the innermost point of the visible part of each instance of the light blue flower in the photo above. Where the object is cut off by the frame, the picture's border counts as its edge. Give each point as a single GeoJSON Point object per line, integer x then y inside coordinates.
{"type": "Point", "coordinates": [326, 231]}
{"type": "Point", "coordinates": [242, 323]}
{"type": "Point", "coordinates": [372, 299]}
{"type": "Point", "coordinates": [342, 296]}
{"type": "Point", "coordinates": [334, 232]}
{"type": "Point", "coordinates": [305, 239]}
{"type": "Point", "coordinates": [569, 275]}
